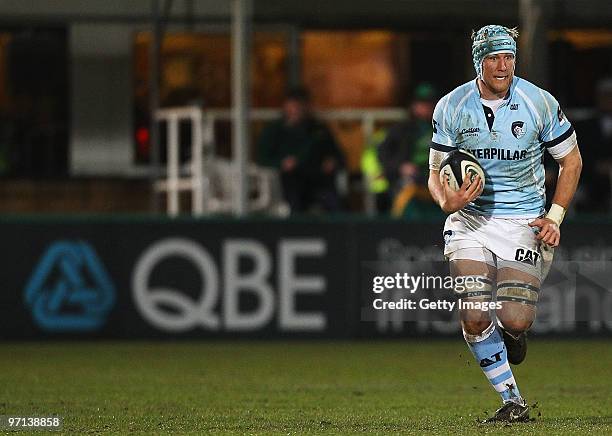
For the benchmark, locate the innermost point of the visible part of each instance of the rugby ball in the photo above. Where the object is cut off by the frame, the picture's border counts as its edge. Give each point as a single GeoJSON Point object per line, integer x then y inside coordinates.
{"type": "Point", "coordinates": [459, 164]}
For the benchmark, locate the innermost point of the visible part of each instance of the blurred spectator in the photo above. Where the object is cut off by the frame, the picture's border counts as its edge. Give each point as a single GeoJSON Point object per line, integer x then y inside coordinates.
{"type": "Point", "coordinates": [305, 152]}
{"type": "Point", "coordinates": [404, 155]}
{"type": "Point", "coordinates": [595, 139]}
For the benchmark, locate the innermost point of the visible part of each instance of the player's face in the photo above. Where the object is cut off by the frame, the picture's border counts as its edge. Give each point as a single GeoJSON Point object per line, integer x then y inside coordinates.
{"type": "Point", "coordinates": [497, 74]}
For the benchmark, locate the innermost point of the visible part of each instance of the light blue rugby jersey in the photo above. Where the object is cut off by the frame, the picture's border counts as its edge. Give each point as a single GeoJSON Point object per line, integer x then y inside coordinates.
{"type": "Point", "coordinates": [511, 151]}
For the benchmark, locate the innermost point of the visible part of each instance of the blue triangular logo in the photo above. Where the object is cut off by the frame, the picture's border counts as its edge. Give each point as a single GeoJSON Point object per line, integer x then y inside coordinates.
{"type": "Point", "coordinates": [70, 290]}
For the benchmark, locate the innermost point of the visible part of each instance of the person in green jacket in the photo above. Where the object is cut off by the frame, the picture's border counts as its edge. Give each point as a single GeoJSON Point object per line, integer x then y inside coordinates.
{"type": "Point", "coordinates": [305, 153]}
{"type": "Point", "coordinates": [404, 155]}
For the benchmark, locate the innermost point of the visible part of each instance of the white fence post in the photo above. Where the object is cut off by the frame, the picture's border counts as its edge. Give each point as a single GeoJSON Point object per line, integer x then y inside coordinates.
{"type": "Point", "coordinates": [173, 165]}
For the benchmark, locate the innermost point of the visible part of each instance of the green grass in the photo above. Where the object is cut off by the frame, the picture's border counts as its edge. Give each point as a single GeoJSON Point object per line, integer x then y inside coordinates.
{"type": "Point", "coordinates": [300, 387]}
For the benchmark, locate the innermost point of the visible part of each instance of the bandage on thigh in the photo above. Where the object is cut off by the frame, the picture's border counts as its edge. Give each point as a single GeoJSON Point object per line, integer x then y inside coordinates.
{"type": "Point", "coordinates": [517, 291]}
{"type": "Point", "coordinates": [476, 287]}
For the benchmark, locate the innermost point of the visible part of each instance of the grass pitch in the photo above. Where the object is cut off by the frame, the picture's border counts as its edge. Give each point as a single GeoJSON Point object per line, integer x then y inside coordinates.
{"type": "Point", "coordinates": [300, 387]}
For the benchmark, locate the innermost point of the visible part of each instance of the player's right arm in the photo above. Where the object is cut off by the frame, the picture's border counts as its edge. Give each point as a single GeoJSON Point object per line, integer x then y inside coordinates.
{"type": "Point", "coordinates": [449, 200]}
{"type": "Point", "coordinates": [441, 143]}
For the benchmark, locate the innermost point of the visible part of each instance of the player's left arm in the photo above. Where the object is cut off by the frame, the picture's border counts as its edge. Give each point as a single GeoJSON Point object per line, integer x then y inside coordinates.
{"type": "Point", "coordinates": [559, 139]}
{"type": "Point", "coordinates": [570, 167]}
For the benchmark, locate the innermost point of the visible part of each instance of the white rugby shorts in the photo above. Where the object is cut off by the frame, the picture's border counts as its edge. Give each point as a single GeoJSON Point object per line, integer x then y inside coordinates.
{"type": "Point", "coordinates": [499, 242]}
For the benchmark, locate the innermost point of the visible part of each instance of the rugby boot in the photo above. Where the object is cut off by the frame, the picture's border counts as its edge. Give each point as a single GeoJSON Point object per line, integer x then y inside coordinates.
{"type": "Point", "coordinates": [510, 412]}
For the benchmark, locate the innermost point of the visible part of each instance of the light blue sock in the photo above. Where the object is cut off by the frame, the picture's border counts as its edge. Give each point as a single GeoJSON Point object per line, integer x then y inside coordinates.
{"type": "Point", "coordinates": [490, 352]}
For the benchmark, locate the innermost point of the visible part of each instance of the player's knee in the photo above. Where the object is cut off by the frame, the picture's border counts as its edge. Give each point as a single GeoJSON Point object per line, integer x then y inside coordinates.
{"type": "Point", "coordinates": [515, 325]}
{"type": "Point", "coordinates": [474, 289]}
{"type": "Point", "coordinates": [475, 327]}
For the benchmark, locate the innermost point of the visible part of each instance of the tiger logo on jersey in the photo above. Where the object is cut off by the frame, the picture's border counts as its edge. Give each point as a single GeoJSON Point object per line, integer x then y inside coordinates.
{"type": "Point", "coordinates": [518, 129]}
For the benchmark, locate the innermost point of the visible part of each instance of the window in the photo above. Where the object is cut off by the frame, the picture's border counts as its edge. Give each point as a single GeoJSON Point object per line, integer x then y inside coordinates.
{"type": "Point", "coordinates": [195, 68]}
{"type": "Point", "coordinates": [33, 103]}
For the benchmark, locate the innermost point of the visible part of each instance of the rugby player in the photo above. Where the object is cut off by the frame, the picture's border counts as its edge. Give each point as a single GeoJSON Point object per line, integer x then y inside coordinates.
{"type": "Point", "coordinates": [497, 228]}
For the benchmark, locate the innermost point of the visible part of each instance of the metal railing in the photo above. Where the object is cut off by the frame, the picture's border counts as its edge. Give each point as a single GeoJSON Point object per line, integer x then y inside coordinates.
{"type": "Point", "coordinates": [174, 183]}
{"type": "Point", "coordinates": [366, 117]}
{"type": "Point", "coordinates": [195, 177]}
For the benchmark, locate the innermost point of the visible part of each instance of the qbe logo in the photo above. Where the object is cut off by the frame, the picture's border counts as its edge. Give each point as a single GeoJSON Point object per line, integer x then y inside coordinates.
{"type": "Point", "coordinates": [172, 310]}
{"type": "Point", "coordinates": [69, 289]}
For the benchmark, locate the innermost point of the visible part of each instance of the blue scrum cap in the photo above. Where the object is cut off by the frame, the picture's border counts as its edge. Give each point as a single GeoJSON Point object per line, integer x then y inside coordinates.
{"type": "Point", "coordinates": [492, 39]}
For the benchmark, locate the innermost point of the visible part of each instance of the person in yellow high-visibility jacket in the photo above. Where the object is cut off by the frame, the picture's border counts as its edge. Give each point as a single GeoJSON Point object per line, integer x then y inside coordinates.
{"type": "Point", "coordinates": [376, 182]}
